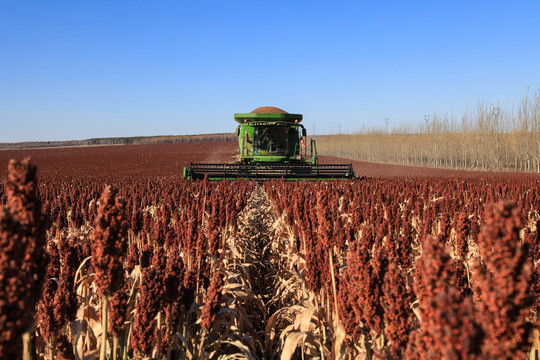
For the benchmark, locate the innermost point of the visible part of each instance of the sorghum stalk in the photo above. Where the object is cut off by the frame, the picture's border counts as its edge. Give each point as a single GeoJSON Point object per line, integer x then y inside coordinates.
{"type": "Point", "coordinates": [104, 321]}
{"type": "Point", "coordinates": [333, 282]}
{"type": "Point", "coordinates": [115, 347]}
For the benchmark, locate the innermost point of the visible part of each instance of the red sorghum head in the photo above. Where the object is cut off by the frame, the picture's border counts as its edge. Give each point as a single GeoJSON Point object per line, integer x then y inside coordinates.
{"type": "Point", "coordinates": [23, 260]}
{"type": "Point", "coordinates": [398, 316]}
{"type": "Point", "coordinates": [448, 328]}
{"type": "Point", "coordinates": [212, 301]}
{"type": "Point", "coordinates": [501, 284]}
{"type": "Point", "coordinates": [109, 242]}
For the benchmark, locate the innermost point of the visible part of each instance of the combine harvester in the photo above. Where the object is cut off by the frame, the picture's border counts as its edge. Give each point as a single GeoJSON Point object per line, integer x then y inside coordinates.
{"type": "Point", "coordinates": [272, 146]}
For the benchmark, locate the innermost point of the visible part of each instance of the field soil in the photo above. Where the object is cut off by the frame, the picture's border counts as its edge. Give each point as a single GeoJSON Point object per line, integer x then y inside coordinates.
{"type": "Point", "coordinates": [152, 159]}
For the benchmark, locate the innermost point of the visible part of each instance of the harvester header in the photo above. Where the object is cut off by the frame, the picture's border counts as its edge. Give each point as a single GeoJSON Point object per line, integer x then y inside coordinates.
{"type": "Point", "coordinates": [272, 145]}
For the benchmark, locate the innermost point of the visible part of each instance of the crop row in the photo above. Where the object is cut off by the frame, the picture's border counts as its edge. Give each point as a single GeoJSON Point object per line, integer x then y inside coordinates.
{"type": "Point", "coordinates": [159, 267]}
{"type": "Point", "coordinates": [419, 269]}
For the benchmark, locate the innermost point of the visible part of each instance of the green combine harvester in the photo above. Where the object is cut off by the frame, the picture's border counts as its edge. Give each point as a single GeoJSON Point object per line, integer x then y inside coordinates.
{"type": "Point", "coordinates": [272, 146]}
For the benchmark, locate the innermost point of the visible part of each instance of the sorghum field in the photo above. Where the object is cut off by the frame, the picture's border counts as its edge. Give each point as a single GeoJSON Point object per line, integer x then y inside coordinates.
{"type": "Point", "coordinates": [107, 252]}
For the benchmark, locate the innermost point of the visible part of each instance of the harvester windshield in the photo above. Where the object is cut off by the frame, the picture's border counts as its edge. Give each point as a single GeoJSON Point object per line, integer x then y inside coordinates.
{"type": "Point", "coordinates": [270, 140]}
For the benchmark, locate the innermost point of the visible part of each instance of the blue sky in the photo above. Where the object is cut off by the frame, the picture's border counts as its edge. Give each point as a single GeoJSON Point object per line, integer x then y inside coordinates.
{"type": "Point", "coordinates": [83, 69]}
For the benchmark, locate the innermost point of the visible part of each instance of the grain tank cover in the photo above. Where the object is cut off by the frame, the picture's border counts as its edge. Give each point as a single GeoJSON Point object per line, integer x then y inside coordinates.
{"type": "Point", "coordinates": [267, 113]}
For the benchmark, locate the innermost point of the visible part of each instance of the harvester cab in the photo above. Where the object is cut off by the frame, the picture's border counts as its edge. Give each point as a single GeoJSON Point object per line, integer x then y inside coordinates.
{"type": "Point", "coordinates": [270, 137]}
{"type": "Point", "coordinates": [272, 145]}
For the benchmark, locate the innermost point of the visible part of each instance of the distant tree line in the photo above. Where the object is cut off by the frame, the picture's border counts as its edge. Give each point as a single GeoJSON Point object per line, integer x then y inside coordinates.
{"type": "Point", "coordinates": [491, 137]}
{"type": "Point", "coordinates": [135, 140]}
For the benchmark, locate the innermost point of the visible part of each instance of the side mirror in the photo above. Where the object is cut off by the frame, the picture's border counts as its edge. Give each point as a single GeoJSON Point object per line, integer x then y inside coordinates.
{"type": "Point", "coordinates": [304, 132]}
{"type": "Point", "coordinates": [238, 131]}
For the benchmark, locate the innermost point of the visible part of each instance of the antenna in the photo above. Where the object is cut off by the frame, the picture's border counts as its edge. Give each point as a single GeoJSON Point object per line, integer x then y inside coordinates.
{"type": "Point", "coordinates": [496, 113]}
{"type": "Point", "coordinates": [426, 119]}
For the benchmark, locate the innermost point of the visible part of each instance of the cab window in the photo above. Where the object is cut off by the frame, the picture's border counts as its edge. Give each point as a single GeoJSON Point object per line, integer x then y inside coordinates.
{"type": "Point", "coordinates": [270, 140]}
